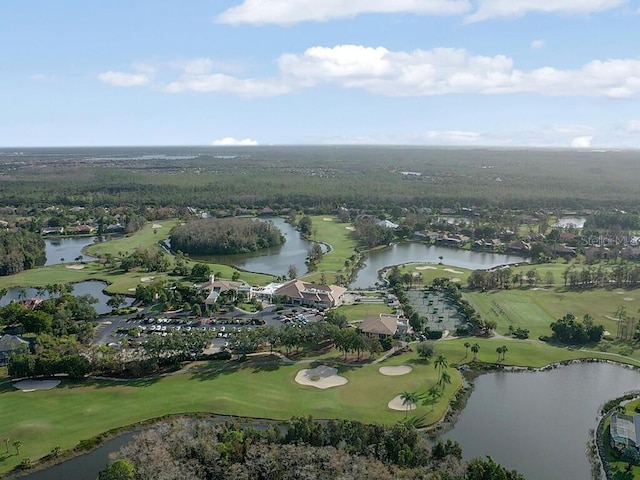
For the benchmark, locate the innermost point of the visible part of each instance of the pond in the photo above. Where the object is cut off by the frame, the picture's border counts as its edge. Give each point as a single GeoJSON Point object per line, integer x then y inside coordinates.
{"type": "Point", "coordinates": [273, 260]}
{"type": "Point", "coordinates": [411, 252]}
{"type": "Point", "coordinates": [568, 222]}
{"type": "Point", "coordinates": [67, 249]}
{"type": "Point", "coordinates": [538, 422]}
{"type": "Point", "coordinates": [91, 287]}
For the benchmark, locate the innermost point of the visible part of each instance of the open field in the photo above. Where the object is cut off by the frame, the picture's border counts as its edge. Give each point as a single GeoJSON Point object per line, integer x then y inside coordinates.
{"type": "Point", "coordinates": [257, 388]}
{"type": "Point", "coordinates": [536, 309]}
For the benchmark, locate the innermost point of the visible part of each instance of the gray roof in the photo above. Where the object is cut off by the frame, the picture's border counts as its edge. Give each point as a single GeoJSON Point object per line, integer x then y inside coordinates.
{"type": "Point", "coordinates": [625, 429]}
{"type": "Point", "coordinates": [8, 343]}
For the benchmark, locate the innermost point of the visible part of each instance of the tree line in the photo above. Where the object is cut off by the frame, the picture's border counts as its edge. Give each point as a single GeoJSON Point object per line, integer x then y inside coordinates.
{"type": "Point", "coordinates": [20, 250]}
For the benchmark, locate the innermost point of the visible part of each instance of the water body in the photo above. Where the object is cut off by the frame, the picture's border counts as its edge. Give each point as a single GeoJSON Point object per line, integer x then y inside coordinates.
{"type": "Point", "coordinates": [273, 260]}
{"type": "Point", "coordinates": [538, 422]}
{"type": "Point", "coordinates": [567, 222]}
{"type": "Point", "coordinates": [89, 287]}
{"type": "Point", "coordinates": [67, 249]}
{"type": "Point", "coordinates": [408, 252]}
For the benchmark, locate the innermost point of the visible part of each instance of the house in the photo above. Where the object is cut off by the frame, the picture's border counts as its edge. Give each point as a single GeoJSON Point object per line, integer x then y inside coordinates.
{"type": "Point", "coordinates": [265, 212]}
{"type": "Point", "coordinates": [564, 251]}
{"type": "Point", "coordinates": [81, 229]}
{"type": "Point", "coordinates": [52, 231]}
{"type": "Point", "coordinates": [387, 224]}
{"type": "Point", "coordinates": [218, 287]}
{"type": "Point", "coordinates": [115, 228]}
{"type": "Point", "coordinates": [12, 345]}
{"type": "Point", "coordinates": [380, 326]}
{"type": "Point", "coordinates": [624, 431]}
{"type": "Point", "coordinates": [594, 253]}
{"type": "Point", "coordinates": [298, 292]}
{"type": "Point", "coordinates": [519, 246]}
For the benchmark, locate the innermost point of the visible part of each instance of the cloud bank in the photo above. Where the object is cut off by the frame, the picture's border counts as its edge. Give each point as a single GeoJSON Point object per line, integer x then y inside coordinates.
{"type": "Point", "coordinates": [232, 142]}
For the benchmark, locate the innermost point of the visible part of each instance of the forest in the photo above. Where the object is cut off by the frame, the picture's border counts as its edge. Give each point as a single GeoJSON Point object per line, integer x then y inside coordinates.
{"type": "Point", "coordinates": [20, 250]}
{"type": "Point", "coordinates": [224, 236]}
{"type": "Point", "coordinates": [303, 449]}
{"type": "Point", "coordinates": [320, 177]}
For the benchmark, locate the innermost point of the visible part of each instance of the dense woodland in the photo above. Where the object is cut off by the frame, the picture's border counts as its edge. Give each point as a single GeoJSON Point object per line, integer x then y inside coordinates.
{"type": "Point", "coordinates": [302, 449]}
{"type": "Point", "coordinates": [20, 250]}
{"type": "Point", "coordinates": [223, 236]}
{"type": "Point", "coordinates": [319, 177]}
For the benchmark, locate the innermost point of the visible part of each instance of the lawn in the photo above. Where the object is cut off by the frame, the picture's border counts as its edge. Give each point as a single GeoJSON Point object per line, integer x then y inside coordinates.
{"type": "Point", "coordinates": [360, 310]}
{"type": "Point", "coordinates": [536, 309]}
{"type": "Point", "coordinates": [335, 233]}
{"type": "Point", "coordinates": [79, 410]}
{"type": "Point", "coordinates": [425, 273]}
{"type": "Point", "coordinates": [146, 237]}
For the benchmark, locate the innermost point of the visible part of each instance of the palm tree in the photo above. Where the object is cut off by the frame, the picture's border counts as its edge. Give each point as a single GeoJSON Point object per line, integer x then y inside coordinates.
{"type": "Point", "coordinates": [409, 399]}
{"type": "Point", "coordinates": [434, 394]}
{"type": "Point", "coordinates": [17, 445]}
{"type": "Point", "coordinates": [499, 351]}
{"type": "Point", "coordinates": [504, 351]}
{"type": "Point", "coordinates": [475, 348]}
{"type": "Point", "coordinates": [466, 351]}
{"type": "Point", "coordinates": [445, 379]}
{"type": "Point", "coordinates": [441, 363]}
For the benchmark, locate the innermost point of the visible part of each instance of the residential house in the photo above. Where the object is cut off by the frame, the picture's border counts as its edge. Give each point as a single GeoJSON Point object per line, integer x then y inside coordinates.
{"type": "Point", "coordinates": [12, 345]}
{"type": "Point", "coordinates": [519, 246]}
{"type": "Point", "coordinates": [305, 294]}
{"type": "Point", "coordinates": [219, 287]}
{"type": "Point", "coordinates": [387, 224]}
{"type": "Point", "coordinates": [624, 431]}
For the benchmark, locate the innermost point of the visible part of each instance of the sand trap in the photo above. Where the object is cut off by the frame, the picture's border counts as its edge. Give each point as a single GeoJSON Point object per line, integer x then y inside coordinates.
{"type": "Point", "coordinates": [74, 267]}
{"type": "Point", "coordinates": [606, 333]}
{"type": "Point", "coordinates": [628, 299]}
{"type": "Point", "coordinates": [33, 385]}
{"type": "Point", "coordinates": [156, 225]}
{"type": "Point", "coordinates": [426, 267]}
{"type": "Point", "coordinates": [451, 270]}
{"type": "Point", "coordinates": [350, 228]}
{"type": "Point", "coordinates": [131, 289]}
{"type": "Point", "coordinates": [146, 279]}
{"type": "Point", "coordinates": [395, 371]}
{"type": "Point", "coordinates": [620, 293]}
{"type": "Point", "coordinates": [396, 404]}
{"type": "Point", "coordinates": [320, 377]}
{"type": "Point", "coordinates": [456, 279]}
{"type": "Point", "coordinates": [327, 219]}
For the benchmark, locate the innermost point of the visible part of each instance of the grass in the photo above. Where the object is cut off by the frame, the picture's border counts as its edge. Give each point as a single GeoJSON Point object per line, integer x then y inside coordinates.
{"type": "Point", "coordinates": [425, 276]}
{"type": "Point", "coordinates": [536, 309]}
{"type": "Point", "coordinates": [146, 237]}
{"type": "Point", "coordinates": [359, 311]}
{"type": "Point", "coordinates": [341, 240]}
{"type": "Point", "coordinates": [258, 388]}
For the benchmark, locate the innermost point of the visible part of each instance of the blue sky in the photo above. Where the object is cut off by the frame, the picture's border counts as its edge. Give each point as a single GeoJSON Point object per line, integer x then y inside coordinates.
{"type": "Point", "coordinates": [560, 73]}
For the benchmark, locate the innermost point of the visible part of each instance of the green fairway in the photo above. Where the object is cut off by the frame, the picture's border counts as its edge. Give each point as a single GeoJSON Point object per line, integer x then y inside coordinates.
{"type": "Point", "coordinates": [146, 237]}
{"type": "Point", "coordinates": [424, 274]}
{"type": "Point", "coordinates": [335, 233]}
{"type": "Point", "coordinates": [536, 309]}
{"type": "Point", "coordinates": [260, 388]}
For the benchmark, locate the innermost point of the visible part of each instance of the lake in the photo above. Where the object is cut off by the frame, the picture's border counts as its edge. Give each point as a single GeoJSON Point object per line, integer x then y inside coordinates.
{"type": "Point", "coordinates": [67, 249]}
{"type": "Point", "coordinates": [413, 252]}
{"type": "Point", "coordinates": [538, 422]}
{"type": "Point", "coordinates": [273, 260]}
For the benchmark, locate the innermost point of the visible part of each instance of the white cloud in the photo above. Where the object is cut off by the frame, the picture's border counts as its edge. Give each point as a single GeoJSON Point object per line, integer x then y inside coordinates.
{"type": "Point", "coordinates": [123, 79]}
{"type": "Point", "coordinates": [287, 12]}
{"type": "Point", "coordinates": [232, 142]}
{"type": "Point", "coordinates": [517, 8]}
{"type": "Point", "coordinates": [633, 126]}
{"type": "Point", "coordinates": [537, 44]}
{"type": "Point", "coordinates": [582, 142]}
{"type": "Point", "coordinates": [380, 71]}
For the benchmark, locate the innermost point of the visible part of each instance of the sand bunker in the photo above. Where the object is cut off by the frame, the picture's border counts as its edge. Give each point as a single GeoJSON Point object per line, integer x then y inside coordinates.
{"type": "Point", "coordinates": [320, 377]}
{"type": "Point", "coordinates": [327, 219]}
{"type": "Point", "coordinates": [156, 225]}
{"type": "Point", "coordinates": [451, 270]}
{"type": "Point", "coordinates": [350, 228]}
{"type": "Point", "coordinates": [456, 279]}
{"type": "Point", "coordinates": [33, 385]}
{"type": "Point", "coordinates": [75, 267]}
{"type": "Point", "coordinates": [426, 267]}
{"type": "Point", "coordinates": [396, 404]}
{"type": "Point", "coordinates": [628, 299]}
{"type": "Point", "coordinates": [395, 371]}
{"type": "Point", "coordinates": [146, 279]}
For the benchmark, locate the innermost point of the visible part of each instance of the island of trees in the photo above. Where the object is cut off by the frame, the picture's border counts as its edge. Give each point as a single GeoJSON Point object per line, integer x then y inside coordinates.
{"type": "Point", "coordinates": [224, 236]}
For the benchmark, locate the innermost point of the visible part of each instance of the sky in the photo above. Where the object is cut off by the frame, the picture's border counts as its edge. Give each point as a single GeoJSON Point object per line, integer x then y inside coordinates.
{"type": "Point", "coordinates": [508, 73]}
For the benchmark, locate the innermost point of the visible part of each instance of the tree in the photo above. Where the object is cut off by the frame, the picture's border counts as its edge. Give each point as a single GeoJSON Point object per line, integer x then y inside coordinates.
{"type": "Point", "coordinates": [475, 348]}
{"type": "Point", "coordinates": [121, 469]}
{"type": "Point", "coordinates": [440, 364]}
{"type": "Point", "coordinates": [17, 445]}
{"type": "Point", "coordinates": [292, 272]}
{"type": "Point", "coordinates": [445, 379]}
{"type": "Point", "coordinates": [433, 393]}
{"type": "Point", "coordinates": [466, 349]}
{"type": "Point", "coordinates": [116, 301]}
{"type": "Point", "coordinates": [499, 352]}
{"type": "Point", "coordinates": [425, 350]}
{"type": "Point", "coordinates": [504, 351]}
{"type": "Point", "coordinates": [409, 400]}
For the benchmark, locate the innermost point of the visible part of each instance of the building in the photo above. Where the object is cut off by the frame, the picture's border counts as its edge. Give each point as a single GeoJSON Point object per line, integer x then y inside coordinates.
{"type": "Point", "coordinates": [380, 326]}
{"type": "Point", "coordinates": [12, 345]}
{"type": "Point", "coordinates": [624, 431]}
{"type": "Point", "coordinates": [218, 287]}
{"type": "Point", "coordinates": [305, 294]}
